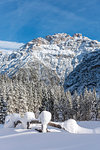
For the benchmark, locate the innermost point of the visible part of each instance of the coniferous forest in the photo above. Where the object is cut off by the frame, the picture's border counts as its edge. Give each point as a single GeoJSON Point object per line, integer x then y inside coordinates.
{"type": "Point", "coordinates": [22, 94]}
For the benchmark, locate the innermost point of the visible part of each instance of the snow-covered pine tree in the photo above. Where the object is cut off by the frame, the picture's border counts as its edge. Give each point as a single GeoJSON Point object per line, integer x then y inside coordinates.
{"type": "Point", "coordinates": [3, 86]}
{"type": "Point", "coordinates": [3, 109]}
{"type": "Point", "coordinates": [22, 99]}
{"type": "Point", "coordinates": [38, 97]}
{"type": "Point", "coordinates": [57, 111]}
{"type": "Point", "coordinates": [81, 107]}
{"type": "Point", "coordinates": [87, 105]}
{"type": "Point", "coordinates": [30, 92]}
{"type": "Point", "coordinates": [75, 105]}
{"type": "Point", "coordinates": [62, 104]}
{"type": "Point", "coordinates": [69, 110]}
{"type": "Point", "coordinates": [93, 104]}
{"type": "Point", "coordinates": [59, 103]}
{"type": "Point", "coordinates": [44, 101]}
{"type": "Point", "coordinates": [98, 108]}
{"type": "Point", "coordinates": [11, 97]}
{"type": "Point", "coordinates": [50, 103]}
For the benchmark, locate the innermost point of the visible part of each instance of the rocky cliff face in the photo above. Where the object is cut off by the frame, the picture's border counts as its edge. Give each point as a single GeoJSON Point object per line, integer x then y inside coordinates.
{"type": "Point", "coordinates": [59, 53]}
{"type": "Point", "coordinates": [86, 74]}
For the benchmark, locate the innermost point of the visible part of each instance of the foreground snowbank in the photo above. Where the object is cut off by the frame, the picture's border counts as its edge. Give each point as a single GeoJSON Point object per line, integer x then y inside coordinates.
{"type": "Point", "coordinates": [14, 139]}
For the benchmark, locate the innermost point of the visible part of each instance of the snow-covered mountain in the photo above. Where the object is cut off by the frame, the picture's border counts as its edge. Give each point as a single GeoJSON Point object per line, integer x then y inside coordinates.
{"type": "Point", "coordinates": [86, 74]}
{"type": "Point", "coordinates": [58, 53]}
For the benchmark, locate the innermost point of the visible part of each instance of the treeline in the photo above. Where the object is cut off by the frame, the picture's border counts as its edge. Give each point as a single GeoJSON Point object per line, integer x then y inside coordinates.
{"type": "Point", "coordinates": [20, 95]}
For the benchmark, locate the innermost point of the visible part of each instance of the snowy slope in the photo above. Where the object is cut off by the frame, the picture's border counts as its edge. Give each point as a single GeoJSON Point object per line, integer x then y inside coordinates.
{"type": "Point", "coordinates": [60, 53]}
{"type": "Point", "coordinates": [7, 48]}
{"type": "Point", "coordinates": [14, 139]}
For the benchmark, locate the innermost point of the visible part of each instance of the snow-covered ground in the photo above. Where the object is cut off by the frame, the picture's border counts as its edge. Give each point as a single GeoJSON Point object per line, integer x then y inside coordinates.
{"type": "Point", "coordinates": [56, 139]}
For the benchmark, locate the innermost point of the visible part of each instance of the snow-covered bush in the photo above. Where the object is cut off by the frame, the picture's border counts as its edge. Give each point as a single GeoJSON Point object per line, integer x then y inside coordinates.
{"type": "Point", "coordinates": [70, 126]}
{"type": "Point", "coordinates": [15, 117]}
{"type": "Point", "coordinates": [28, 117]}
{"type": "Point", "coordinates": [45, 118]}
{"type": "Point", "coordinates": [10, 119]}
{"type": "Point", "coordinates": [8, 122]}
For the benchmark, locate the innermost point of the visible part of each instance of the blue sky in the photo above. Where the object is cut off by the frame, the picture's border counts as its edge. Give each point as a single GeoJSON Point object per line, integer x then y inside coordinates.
{"type": "Point", "coordinates": [23, 20]}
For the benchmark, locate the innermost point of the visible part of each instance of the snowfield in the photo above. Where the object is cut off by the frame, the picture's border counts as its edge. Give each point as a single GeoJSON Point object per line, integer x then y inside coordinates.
{"type": "Point", "coordinates": [56, 139]}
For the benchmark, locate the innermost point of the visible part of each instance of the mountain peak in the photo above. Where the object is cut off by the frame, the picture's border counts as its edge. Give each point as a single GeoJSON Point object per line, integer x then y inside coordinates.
{"type": "Point", "coordinates": [60, 38]}
{"type": "Point", "coordinates": [60, 53]}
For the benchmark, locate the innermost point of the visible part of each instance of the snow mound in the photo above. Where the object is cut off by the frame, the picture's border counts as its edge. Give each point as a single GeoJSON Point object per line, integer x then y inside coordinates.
{"type": "Point", "coordinates": [10, 119]}
{"type": "Point", "coordinates": [44, 118]}
{"type": "Point", "coordinates": [29, 116]}
{"type": "Point", "coordinates": [72, 127]}
{"type": "Point", "coordinates": [15, 117]}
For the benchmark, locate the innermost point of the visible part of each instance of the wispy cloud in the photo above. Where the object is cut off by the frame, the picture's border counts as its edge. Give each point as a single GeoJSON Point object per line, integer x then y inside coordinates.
{"type": "Point", "coordinates": [10, 45]}
{"type": "Point", "coordinates": [45, 14]}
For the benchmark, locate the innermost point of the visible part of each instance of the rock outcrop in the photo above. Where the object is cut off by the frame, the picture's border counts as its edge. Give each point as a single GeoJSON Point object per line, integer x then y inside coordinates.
{"type": "Point", "coordinates": [86, 74]}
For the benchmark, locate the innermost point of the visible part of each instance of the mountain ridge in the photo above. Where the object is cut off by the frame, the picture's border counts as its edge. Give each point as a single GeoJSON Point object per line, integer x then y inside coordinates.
{"type": "Point", "coordinates": [85, 75]}
{"type": "Point", "coordinates": [60, 53]}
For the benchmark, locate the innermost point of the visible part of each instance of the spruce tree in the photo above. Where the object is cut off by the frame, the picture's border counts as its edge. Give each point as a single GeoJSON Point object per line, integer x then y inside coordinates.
{"type": "Point", "coordinates": [75, 105]}
{"type": "Point", "coordinates": [3, 109]}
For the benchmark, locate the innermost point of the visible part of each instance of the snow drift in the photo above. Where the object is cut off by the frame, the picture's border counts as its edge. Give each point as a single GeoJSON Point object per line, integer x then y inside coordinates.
{"type": "Point", "coordinates": [72, 127]}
